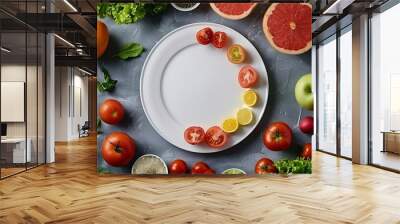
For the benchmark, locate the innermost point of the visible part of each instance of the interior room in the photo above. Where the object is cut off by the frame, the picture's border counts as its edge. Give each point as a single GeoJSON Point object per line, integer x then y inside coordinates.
{"type": "Point", "coordinates": [23, 100]}
{"type": "Point", "coordinates": [103, 107]}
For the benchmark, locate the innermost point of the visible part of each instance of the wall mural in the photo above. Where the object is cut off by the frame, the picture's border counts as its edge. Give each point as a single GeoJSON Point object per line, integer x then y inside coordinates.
{"type": "Point", "coordinates": [188, 88]}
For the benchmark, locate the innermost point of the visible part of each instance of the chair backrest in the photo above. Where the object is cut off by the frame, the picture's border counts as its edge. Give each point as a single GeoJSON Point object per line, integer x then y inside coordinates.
{"type": "Point", "coordinates": [86, 125]}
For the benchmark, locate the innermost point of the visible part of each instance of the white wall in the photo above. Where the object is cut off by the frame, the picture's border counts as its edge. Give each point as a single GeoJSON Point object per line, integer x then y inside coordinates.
{"type": "Point", "coordinates": [70, 83]}
{"type": "Point", "coordinates": [61, 103]}
{"type": "Point", "coordinates": [17, 73]}
{"type": "Point", "coordinates": [33, 126]}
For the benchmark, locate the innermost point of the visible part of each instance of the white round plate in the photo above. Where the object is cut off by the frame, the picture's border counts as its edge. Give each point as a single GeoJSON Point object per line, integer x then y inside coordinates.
{"type": "Point", "coordinates": [184, 84]}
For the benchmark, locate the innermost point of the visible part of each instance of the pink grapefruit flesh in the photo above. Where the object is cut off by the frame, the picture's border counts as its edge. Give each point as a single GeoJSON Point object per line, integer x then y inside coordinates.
{"type": "Point", "coordinates": [233, 11]}
{"type": "Point", "coordinates": [287, 27]}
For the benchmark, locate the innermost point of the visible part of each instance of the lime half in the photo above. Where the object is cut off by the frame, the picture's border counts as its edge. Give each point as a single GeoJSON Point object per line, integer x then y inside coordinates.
{"type": "Point", "coordinates": [233, 171]}
{"type": "Point", "coordinates": [149, 164]}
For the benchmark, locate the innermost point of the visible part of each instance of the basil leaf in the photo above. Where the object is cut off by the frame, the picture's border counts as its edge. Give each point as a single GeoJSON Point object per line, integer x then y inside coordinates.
{"type": "Point", "coordinates": [132, 50]}
{"type": "Point", "coordinates": [107, 84]}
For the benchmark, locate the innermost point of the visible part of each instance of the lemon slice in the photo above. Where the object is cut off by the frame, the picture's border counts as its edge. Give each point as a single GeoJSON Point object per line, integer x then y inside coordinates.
{"type": "Point", "coordinates": [250, 97]}
{"type": "Point", "coordinates": [230, 125]}
{"type": "Point", "coordinates": [244, 116]}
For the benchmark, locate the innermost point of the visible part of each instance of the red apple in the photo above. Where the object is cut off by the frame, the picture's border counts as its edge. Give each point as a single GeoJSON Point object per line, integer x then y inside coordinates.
{"type": "Point", "coordinates": [307, 125]}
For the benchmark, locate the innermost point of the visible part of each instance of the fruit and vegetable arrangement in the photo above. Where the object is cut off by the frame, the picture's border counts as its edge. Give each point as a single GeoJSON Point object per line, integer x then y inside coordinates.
{"type": "Point", "coordinates": [217, 136]}
{"type": "Point", "coordinates": [287, 29]}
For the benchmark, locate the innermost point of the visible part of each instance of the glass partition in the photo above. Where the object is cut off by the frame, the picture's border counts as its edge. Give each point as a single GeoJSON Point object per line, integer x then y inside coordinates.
{"type": "Point", "coordinates": [346, 92]}
{"type": "Point", "coordinates": [22, 88]}
{"type": "Point", "coordinates": [327, 96]}
{"type": "Point", "coordinates": [385, 89]}
{"type": "Point", "coordinates": [15, 152]}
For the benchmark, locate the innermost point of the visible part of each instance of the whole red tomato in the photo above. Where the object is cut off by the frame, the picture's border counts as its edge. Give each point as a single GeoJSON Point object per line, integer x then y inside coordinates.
{"type": "Point", "coordinates": [177, 167]}
{"type": "Point", "coordinates": [278, 136]}
{"type": "Point", "coordinates": [202, 168]}
{"type": "Point", "coordinates": [264, 166]}
{"type": "Point", "coordinates": [103, 38]}
{"type": "Point", "coordinates": [111, 111]}
{"type": "Point", "coordinates": [307, 151]}
{"type": "Point", "coordinates": [118, 149]}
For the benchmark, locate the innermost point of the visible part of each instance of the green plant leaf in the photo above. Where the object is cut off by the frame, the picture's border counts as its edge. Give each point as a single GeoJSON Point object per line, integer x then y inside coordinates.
{"type": "Point", "coordinates": [107, 84]}
{"type": "Point", "coordinates": [132, 50]}
{"type": "Point", "coordinates": [102, 170]}
{"type": "Point", "coordinates": [299, 165]}
{"type": "Point", "coordinates": [98, 126]}
{"type": "Point", "coordinates": [125, 13]}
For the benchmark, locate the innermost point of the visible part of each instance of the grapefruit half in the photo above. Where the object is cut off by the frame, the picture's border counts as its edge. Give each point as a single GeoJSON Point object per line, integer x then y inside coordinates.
{"type": "Point", "coordinates": [287, 27]}
{"type": "Point", "coordinates": [233, 11]}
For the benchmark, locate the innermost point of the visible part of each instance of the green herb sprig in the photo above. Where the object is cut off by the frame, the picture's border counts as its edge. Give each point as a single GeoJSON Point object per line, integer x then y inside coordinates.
{"type": "Point", "coordinates": [299, 165]}
{"type": "Point", "coordinates": [107, 84]}
{"type": "Point", "coordinates": [98, 126]}
{"type": "Point", "coordinates": [102, 170]}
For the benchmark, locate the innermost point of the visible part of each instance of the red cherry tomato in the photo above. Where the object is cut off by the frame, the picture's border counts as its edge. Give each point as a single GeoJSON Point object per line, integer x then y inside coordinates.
{"type": "Point", "coordinates": [216, 137]}
{"type": "Point", "coordinates": [264, 166]}
{"type": "Point", "coordinates": [177, 167]}
{"type": "Point", "coordinates": [306, 153]}
{"type": "Point", "coordinates": [194, 135]}
{"type": "Point", "coordinates": [201, 168]}
{"type": "Point", "coordinates": [210, 172]}
{"type": "Point", "coordinates": [111, 111]}
{"type": "Point", "coordinates": [204, 36]}
{"type": "Point", "coordinates": [219, 39]}
{"type": "Point", "coordinates": [247, 77]}
{"type": "Point", "coordinates": [278, 136]}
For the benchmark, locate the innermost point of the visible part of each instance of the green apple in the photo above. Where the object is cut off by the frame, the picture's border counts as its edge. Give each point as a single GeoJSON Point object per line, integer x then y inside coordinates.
{"type": "Point", "coordinates": [303, 92]}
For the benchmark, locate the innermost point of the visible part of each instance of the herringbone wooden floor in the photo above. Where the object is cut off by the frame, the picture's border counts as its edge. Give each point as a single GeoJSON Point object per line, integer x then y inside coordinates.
{"type": "Point", "coordinates": [70, 191]}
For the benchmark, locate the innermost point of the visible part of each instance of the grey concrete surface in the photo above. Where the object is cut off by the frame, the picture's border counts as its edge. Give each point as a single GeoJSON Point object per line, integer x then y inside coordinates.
{"type": "Point", "coordinates": [283, 70]}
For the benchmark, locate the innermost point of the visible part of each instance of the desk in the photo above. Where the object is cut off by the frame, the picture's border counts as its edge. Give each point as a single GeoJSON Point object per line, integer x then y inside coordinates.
{"type": "Point", "coordinates": [391, 141]}
{"type": "Point", "coordinates": [18, 151]}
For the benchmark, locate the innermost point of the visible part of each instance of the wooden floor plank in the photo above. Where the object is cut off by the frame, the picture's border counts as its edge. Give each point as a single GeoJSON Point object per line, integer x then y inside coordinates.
{"type": "Point", "coordinates": [70, 191]}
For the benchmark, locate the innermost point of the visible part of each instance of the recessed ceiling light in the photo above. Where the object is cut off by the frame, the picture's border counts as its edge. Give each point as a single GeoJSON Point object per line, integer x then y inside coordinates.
{"type": "Point", "coordinates": [337, 7]}
{"type": "Point", "coordinates": [84, 71]}
{"type": "Point", "coordinates": [70, 5]}
{"type": "Point", "coordinates": [64, 40]}
{"type": "Point", "coordinates": [5, 50]}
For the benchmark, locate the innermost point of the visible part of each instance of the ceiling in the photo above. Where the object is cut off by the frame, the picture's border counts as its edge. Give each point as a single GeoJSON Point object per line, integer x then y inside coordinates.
{"type": "Point", "coordinates": [72, 20]}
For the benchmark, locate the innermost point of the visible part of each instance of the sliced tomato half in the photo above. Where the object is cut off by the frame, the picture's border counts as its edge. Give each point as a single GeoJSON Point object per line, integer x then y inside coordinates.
{"type": "Point", "coordinates": [247, 77]}
{"type": "Point", "coordinates": [204, 36]}
{"type": "Point", "coordinates": [216, 137]}
{"type": "Point", "coordinates": [194, 135]}
{"type": "Point", "coordinates": [236, 54]}
{"type": "Point", "coordinates": [219, 39]}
